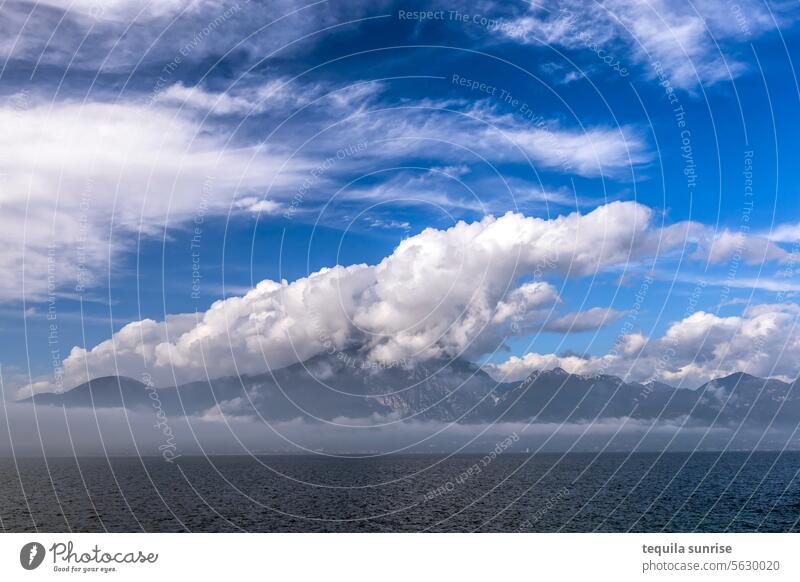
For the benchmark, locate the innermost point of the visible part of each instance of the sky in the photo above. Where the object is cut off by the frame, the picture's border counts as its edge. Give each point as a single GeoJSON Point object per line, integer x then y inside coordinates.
{"type": "Point", "coordinates": [196, 189]}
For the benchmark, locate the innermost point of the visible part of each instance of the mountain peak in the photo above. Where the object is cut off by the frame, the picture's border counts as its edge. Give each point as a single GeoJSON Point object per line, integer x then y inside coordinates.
{"type": "Point", "coordinates": [736, 379]}
{"type": "Point", "coordinates": [736, 376]}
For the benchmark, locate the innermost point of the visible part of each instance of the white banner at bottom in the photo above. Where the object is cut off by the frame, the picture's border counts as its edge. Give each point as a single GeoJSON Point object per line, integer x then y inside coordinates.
{"type": "Point", "coordinates": [400, 557]}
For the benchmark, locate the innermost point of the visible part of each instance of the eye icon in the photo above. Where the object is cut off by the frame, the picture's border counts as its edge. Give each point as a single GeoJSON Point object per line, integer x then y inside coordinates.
{"type": "Point", "coordinates": [31, 555]}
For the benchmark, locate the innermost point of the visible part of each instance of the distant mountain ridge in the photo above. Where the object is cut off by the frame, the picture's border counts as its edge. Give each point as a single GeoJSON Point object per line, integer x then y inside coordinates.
{"type": "Point", "coordinates": [329, 388]}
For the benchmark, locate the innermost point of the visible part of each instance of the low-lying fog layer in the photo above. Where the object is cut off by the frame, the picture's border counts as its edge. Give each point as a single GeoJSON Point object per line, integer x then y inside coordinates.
{"type": "Point", "coordinates": [29, 431]}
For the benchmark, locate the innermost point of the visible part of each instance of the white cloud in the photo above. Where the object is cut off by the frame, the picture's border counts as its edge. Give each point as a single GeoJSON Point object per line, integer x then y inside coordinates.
{"type": "Point", "coordinates": [216, 103]}
{"type": "Point", "coordinates": [447, 131]}
{"type": "Point", "coordinates": [589, 152]}
{"type": "Point", "coordinates": [274, 96]}
{"type": "Point", "coordinates": [71, 172]}
{"type": "Point", "coordinates": [277, 96]}
{"type": "Point", "coordinates": [763, 341]}
{"type": "Point", "coordinates": [737, 246]}
{"type": "Point", "coordinates": [788, 233]}
{"type": "Point", "coordinates": [517, 305]}
{"type": "Point", "coordinates": [588, 320]}
{"type": "Point", "coordinates": [259, 205]}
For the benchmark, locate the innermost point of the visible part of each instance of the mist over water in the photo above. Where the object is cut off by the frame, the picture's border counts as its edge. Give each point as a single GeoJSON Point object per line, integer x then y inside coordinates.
{"type": "Point", "coordinates": [33, 431]}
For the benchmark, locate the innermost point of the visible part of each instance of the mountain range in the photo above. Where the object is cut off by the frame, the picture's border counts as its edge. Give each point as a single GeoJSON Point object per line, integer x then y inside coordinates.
{"type": "Point", "coordinates": [344, 386]}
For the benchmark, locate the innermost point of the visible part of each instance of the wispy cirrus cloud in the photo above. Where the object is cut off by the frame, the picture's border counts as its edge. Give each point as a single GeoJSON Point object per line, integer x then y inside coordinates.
{"type": "Point", "coordinates": [79, 178]}
{"type": "Point", "coordinates": [687, 39]}
{"type": "Point", "coordinates": [116, 34]}
{"type": "Point", "coordinates": [456, 132]}
{"type": "Point", "coordinates": [279, 97]}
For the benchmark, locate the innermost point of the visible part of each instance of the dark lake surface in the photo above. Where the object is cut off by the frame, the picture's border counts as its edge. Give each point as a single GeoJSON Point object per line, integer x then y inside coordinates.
{"type": "Point", "coordinates": [708, 492]}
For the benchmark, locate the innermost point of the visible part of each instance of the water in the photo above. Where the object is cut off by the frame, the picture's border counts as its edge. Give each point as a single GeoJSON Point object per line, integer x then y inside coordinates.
{"type": "Point", "coordinates": [513, 492]}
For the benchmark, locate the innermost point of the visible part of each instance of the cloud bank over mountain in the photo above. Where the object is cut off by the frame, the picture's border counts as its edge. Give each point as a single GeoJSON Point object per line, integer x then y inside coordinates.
{"type": "Point", "coordinates": [462, 291]}
{"type": "Point", "coordinates": [763, 341]}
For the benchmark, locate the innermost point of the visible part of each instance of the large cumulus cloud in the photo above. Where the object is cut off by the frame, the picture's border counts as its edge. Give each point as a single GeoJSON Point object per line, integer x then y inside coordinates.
{"type": "Point", "coordinates": [441, 292]}
{"type": "Point", "coordinates": [454, 292]}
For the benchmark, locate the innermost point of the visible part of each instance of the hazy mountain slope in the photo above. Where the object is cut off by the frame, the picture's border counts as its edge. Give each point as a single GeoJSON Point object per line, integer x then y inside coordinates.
{"type": "Point", "coordinates": [344, 386]}
{"type": "Point", "coordinates": [324, 387]}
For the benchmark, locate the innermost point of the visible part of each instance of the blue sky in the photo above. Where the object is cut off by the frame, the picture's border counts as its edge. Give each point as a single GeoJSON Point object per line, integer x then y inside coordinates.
{"type": "Point", "coordinates": [289, 139]}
